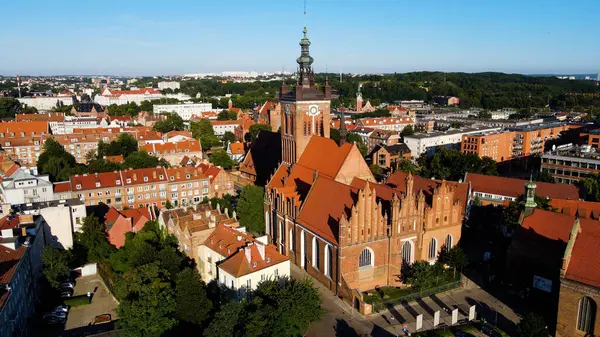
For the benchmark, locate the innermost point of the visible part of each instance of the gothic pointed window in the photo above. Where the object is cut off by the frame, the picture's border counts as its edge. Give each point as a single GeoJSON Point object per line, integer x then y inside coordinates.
{"type": "Point", "coordinates": [327, 261]}
{"type": "Point", "coordinates": [365, 260]}
{"type": "Point", "coordinates": [315, 252]}
{"type": "Point", "coordinates": [432, 249]}
{"type": "Point", "coordinates": [449, 242]}
{"type": "Point", "coordinates": [586, 315]}
{"type": "Point", "coordinates": [407, 250]}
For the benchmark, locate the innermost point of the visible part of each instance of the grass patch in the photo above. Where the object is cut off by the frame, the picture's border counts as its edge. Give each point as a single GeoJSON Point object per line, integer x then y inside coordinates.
{"type": "Point", "coordinates": [386, 293]}
{"type": "Point", "coordinates": [77, 301]}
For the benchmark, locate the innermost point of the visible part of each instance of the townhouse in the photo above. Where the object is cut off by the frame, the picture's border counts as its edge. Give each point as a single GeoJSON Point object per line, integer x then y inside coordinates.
{"type": "Point", "coordinates": [173, 152]}
{"type": "Point", "coordinates": [396, 124]}
{"type": "Point", "coordinates": [80, 144]}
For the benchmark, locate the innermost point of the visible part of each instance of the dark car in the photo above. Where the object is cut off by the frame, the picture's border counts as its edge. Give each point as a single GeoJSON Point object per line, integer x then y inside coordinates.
{"type": "Point", "coordinates": [66, 293]}
{"type": "Point", "coordinates": [463, 334]}
{"type": "Point", "coordinates": [488, 331]}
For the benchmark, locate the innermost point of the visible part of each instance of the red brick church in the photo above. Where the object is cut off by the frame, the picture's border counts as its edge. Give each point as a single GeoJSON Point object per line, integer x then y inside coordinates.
{"type": "Point", "coordinates": [324, 210]}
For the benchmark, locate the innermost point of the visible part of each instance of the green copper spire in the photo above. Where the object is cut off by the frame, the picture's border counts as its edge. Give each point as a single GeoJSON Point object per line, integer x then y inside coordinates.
{"type": "Point", "coordinates": [305, 61]}
{"type": "Point", "coordinates": [530, 194]}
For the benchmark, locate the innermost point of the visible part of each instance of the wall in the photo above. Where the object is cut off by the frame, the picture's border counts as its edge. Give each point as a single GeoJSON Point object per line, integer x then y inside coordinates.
{"type": "Point", "coordinates": [61, 223]}
{"type": "Point", "coordinates": [568, 307]}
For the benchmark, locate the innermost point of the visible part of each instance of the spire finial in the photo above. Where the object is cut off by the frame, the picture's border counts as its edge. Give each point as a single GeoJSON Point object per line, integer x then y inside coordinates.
{"type": "Point", "coordinates": [304, 18]}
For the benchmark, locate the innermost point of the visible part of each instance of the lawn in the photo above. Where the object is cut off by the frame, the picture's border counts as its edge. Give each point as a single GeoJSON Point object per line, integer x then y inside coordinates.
{"type": "Point", "coordinates": [77, 301]}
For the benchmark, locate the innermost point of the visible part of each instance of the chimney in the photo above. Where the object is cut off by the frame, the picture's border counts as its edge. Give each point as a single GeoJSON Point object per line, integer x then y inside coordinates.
{"type": "Point", "coordinates": [261, 251]}
{"type": "Point", "coordinates": [135, 177]}
{"type": "Point", "coordinates": [153, 174]}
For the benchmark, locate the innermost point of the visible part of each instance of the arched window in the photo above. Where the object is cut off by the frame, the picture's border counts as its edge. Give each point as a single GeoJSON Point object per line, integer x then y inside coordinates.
{"type": "Point", "coordinates": [449, 240]}
{"type": "Point", "coordinates": [365, 259]}
{"type": "Point", "coordinates": [315, 252]}
{"type": "Point", "coordinates": [292, 239]}
{"type": "Point", "coordinates": [281, 232]}
{"type": "Point", "coordinates": [327, 261]}
{"type": "Point", "coordinates": [407, 249]}
{"type": "Point", "coordinates": [267, 222]}
{"type": "Point", "coordinates": [586, 315]}
{"type": "Point", "coordinates": [302, 248]}
{"type": "Point", "coordinates": [432, 249]}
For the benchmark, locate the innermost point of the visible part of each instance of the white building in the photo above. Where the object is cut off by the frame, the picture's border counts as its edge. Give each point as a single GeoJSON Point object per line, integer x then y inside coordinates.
{"type": "Point", "coordinates": [502, 114]}
{"type": "Point", "coordinates": [23, 187]}
{"type": "Point", "coordinates": [119, 97]}
{"type": "Point", "coordinates": [184, 110]}
{"type": "Point", "coordinates": [168, 85]}
{"type": "Point", "coordinates": [238, 261]}
{"type": "Point", "coordinates": [396, 124]}
{"type": "Point", "coordinates": [73, 122]}
{"type": "Point", "coordinates": [425, 143]}
{"type": "Point", "coordinates": [63, 217]}
{"type": "Point", "coordinates": [220, 127]}
{"type": "Point", "coordinates": [43, 103]}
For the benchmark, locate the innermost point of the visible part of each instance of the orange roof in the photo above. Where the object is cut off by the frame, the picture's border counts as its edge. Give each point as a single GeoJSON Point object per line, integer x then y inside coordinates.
{"type": "Point", "coordinates": [384, 121]}
{"type": "Point", "coordinates": [242, 251]}
{"type": "Point", "coordinates": [29, 128]}
{"type": "Point", "coordinates": [9, 259]}
{"type": "Point", "coordinates": [584, 265]}
{"type": "Point", "coordinates": [395, 107]}
{"type": "Point", "coordinates": [515, 187]}
{"type": "Point", "coordinates": [581, 209]}
{"type": "Point", "coordinates": [179, 133]}
{"type": "Point", "coordinates": [115, 159]}
{"type": "Point", "coordinates": [144, 175]}
{"type": "Point", "coordinates": [268, 105]}
{"type": "Point", "coordinates": [85, 138]}
{"type": "Point", "coordinates": [398, 182]}
{"type": "Point", "coordinates": [62, 186]}
{"type": "Point", "coordinates": [325, 204]}
{"type": "Point", "coordinates": [209, 170]}
{"type": "Point", "coordinates": [551, 225]}
{"type": "Point", "coordinates": [96, 181]}
{"type": "Point", "coordinates": [21, 141]}
{"type": "Point", "coordinates": [50, 117]}
{"type": "Point", "coordinates": [185, 173]}
{"type": "Point", "coordinates": [191, 145]}
{"type": "Point", "coordinates": [237, 148]}
{"type": "Point", "coordinates": [312, 157]}
{"type": "Point", "coordinates": [232, 122]}
{"type": "Point", "coordinates": [9, 222]}
{"type": "Point", "coordinates": [137, 214]}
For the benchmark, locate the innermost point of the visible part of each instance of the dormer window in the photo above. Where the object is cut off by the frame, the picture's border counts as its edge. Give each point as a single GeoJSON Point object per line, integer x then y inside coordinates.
{"type": "Point", "coordinates": [160, 176]}
{"type": "Point", "coordinates": [128, 180]}
{"type": "Point", "coordinates": [253, 264]}
{"type": "Point", "coordinates": [97, 184]}
{"type": "Point", "coordinates": [7, 144]}
{"type": "Point", "coordinates": [145, 178]}
{"type": "Point", "coordinates": [118, 182]}
{"type": "Point", "coordinates": [268, 259]}
{"type": "Point", "coordinates": [187, 176]}
{"type": "Point", "coordinates": [78, 186]}
{"type": "Point", "coordinates": [172, 178]}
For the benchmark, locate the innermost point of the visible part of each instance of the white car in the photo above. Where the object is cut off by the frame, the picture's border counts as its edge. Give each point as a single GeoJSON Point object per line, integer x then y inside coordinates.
{"type": "Point", "coordinates": [61, 308]}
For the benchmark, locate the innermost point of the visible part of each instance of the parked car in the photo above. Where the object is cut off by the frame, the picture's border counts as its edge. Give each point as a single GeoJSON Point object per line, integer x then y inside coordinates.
{"type": "Point", "coordinates": [55, 320]}
{"type": "Point", "coordinates": [66, 293]}
{"type": "Point", "coordinates": [67, 285]}
{"type": "Point", "coordinates": [463, 334]}
{"type": "Point", "coordinates": [102, 319]}
{"type": "Point", "coordinates": [489, 331]}
{"type": "Point", "coordinates": [61, 308]}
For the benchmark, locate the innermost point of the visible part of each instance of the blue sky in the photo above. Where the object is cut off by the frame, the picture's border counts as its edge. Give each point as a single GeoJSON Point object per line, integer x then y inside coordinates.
{"type": "Point", "coordinates": [135, 37]}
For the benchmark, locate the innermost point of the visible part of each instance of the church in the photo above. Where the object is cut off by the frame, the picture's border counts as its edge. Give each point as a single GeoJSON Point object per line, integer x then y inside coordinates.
{"type": "Point", "coordinates": [326, 212]}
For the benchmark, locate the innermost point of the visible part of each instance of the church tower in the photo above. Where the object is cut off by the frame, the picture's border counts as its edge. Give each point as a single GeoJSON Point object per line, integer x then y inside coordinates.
{"type": "Point", "coordinates": [306, 108]}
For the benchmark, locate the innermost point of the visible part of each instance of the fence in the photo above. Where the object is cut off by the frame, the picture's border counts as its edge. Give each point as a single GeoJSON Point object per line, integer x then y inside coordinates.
{"type": "Point", "coordinates": [377, 306]}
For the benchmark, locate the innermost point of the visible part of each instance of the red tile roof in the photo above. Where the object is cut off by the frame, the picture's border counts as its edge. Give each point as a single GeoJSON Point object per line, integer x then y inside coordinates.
{"type": "Point", "coordinates": [191, 145]}
{"type": "Point", "coordinates": [209, 170]}
{"type": "Point", "coordinates": [8, 262]}
{"type": "Point", "coordinates": [579, 208]}
{"type": "Point", "coordinates": [551, 225]}
{"type": "Point", "coordinates": [62, 186]}
{"type": "Point", "coordinates": [584, 265]}
{"type": "Point", "coordinates": [144, 176]}
{"type": "Point", "coordinates": [512, 187]}
{"type": "Point", "coordinates": [398, 182]}
{"type": "Point", "coordinates": [312, 157]}
{"type": "Point", "coordinates": [9, 222]}
{"type": "Point", "coordinates": [96, 181]}
{"type": "Point", "coordinates": [28, 128]}
{"type": "Point", "coordinates": [185, 173]}
{"type": "Point", "coordinates": [237, 148]}
{"type": "Point", "coordinates": [242, 251]}
{"type": "Point", "coordinates": [50, 117]}
{"type": "Point", "coordinates": [115, 159]}
{"type": "Point", "coordinates": [325, 204]}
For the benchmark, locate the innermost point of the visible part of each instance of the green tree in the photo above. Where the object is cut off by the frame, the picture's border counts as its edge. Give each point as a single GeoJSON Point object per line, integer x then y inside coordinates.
{"type": "Point", "coordinates": [55, 265]}
{"type": "Point", "coordinates": [141, 159]}
{"type": "Point", "coordinates": [221, 158]}
{"type": "Point", "coordinates": [54, 160]}
{"type": "Point", "coordinates": [173, 123]}
{"type": "Point", "coordinates": [533, 325]}
{"type": "Point", "coordinates": [250, 208]}
{"type": "Point", "coordinates": [407, 131]}
{"type": "Point", "coordinates": [354, 138]}
{"type": "Point", "coordinates": [9, 107]}
{"type": "Point", "coordinates": [405, 165]}
{"type": "Point", "coordinates": [484, 114]}
{"type": "Point", "coordinates": [227, 115]}
{"type": "Point", "coordinates": [93, 238]}
{"type": "Point", "coordinates": [376, 169]}
{"type": "Point", "coordinates": [224, 203]}
{"type": "Point", "coordinates": [147, 302]}
{"type": "Point", "coordinates": [546, 177]}
{"type": "Point", "coordinates": [192, 304]}
{"type": "Point", "coordinates": [202, 127]}
{"type": "Point", "coordinates": [256, 128]}
{"type": "Point", "coordinates": [124, 145]}
{"type": "Point", "coordinates": [228, 137]}
{"type": "Point", "coordinates": [452, 164]}
{"type": "Point", "coordinates": [422, 275]}
{"type": "Point", "coordinates": [227, 321]}
{"type": "Point", "coordinates": [455, 258]}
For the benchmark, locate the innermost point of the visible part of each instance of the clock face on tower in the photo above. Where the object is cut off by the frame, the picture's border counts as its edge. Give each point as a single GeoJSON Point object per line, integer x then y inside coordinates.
{"type": "Point", "coordinates": [313, 110]}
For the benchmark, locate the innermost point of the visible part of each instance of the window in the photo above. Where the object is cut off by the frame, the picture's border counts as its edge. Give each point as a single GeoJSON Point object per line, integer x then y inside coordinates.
{"type": "Point", "coordinates": [327, 261]}
{"type": "Point", "coordinates": [302, 249]}
{"type": "Point", "coordinates": [448, 244]}
{"type": "Point", "coordinates": [407, 249]}
{"type": "Point", "coordinates": [315, 252]}
{"type": "Point", "coordinates": [365, 260]}
{"type": "Point", "coordinates": [432, 249]}
{"type": "Point", "coordinates": [249, 284]}
{"type": "Point", "coordinates": [292, 239]}
{"type": "Point", "coordinates": [586, 315]}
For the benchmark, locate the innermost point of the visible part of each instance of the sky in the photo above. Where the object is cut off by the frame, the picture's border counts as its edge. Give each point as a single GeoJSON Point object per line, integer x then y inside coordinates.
{"type": "Point", "coordinates": [159, 37]}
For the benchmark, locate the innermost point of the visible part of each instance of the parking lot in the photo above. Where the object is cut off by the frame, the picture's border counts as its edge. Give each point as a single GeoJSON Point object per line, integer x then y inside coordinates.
{"type": "Point", "coordinates": [103, 302]}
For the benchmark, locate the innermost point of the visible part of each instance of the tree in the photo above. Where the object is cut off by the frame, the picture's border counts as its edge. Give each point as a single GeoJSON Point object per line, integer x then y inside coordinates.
{"type": "Point", "coordinates": [405, 165]}
{"type": "Point", "coordinates": [407, 131]}
{"type": "Point", "coordinates": [55, 264]}
{"type": "Point", "coordinates": [124, 145]}
{"type": "Point", "coordinates": [354, 138]}
{"type": "Point", "coordinates": [93, 238]}
{"type": "Point", "coordinates": [221, 158]}
{"type": "Point", "coordinates": [484, 114]}
{"type": "Point", "coordinates": [147, 302]}
{"type": "Point", "coordinates": [546, 177]}
{"type": "Point", "coordinates": [174, 122]}
{"type": "Point", "coordinates": [202, 127]}
{"type": "Point", "coordinates": [168, 205]}
{"type": "Point", "coordinates": [228, 137]}
{"type": "Point", "coordinates": [227, 115]}
{"type": "Point", "coordinates": [54, 159]}
{"type": "Point", "coordinates": [250, 208]}
{"type": "Point", "coordinates": [227, 321]}
{"type": "Point", "coordinates": [376, 169]}
{"type": "Point", "coordinates": [256, 128]}
{"type": "Point", "coordinates": [141, 159]}
{"type": "Point", "coordinates": [9, 107]}
{"type": "Point", "coordinates": [226, 202]}
{"type": "Point", "coordinates": [532, 325]}
{"type": "Point", "coordinates": [452, 164]}
{"type": "Point", "coordinates": [455, 258]}
{"type": "Point", "coordinates": [192, 304]}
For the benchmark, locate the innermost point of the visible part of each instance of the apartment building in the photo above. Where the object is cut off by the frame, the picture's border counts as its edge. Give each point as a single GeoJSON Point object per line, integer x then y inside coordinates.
{"type": "Point", "coordinates": [22, 187]}
{"type": "Point", "coordinates": [25, 128]}
{"type": "Point", "coordinates": [220, 127]}
{"type": "Point", "coordinates": [396, 124]}
{"type": "Point", "coordinates": [173, 152]}
{"type": "Point", "coordinates": [220, 180]}
{"type": "Point", "coordinates": [53, 118]}
{"type": "Point", "coordinates": [25, 150]}
{"type": "Point", "coordinates": [239, 261]}
{"type": "Point", "coordinates": [187, 186]}
{"type": "Point", "coordinates": [184, 110]}
{"type": "Point", "coordinates": [80, 144]}
{"type": "Point", "coordinates": [191, 226]}
{"type": "Point", "coordinates": [382, 137]}
{"type": "Point", "coordinates": [570, 163]}
{"type": "Point", "coordinates": [496, 145]}
{"type": "Point", "coordinates": [426, 143]}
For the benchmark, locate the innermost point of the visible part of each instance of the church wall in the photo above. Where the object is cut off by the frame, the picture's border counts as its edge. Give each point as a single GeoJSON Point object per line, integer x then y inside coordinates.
{"type": "Point", "coordinates": [370, 277]}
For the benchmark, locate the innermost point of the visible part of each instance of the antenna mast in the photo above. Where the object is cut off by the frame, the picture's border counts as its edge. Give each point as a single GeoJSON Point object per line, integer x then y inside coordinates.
{"type": "Point", "coordinates": [19, 86]}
